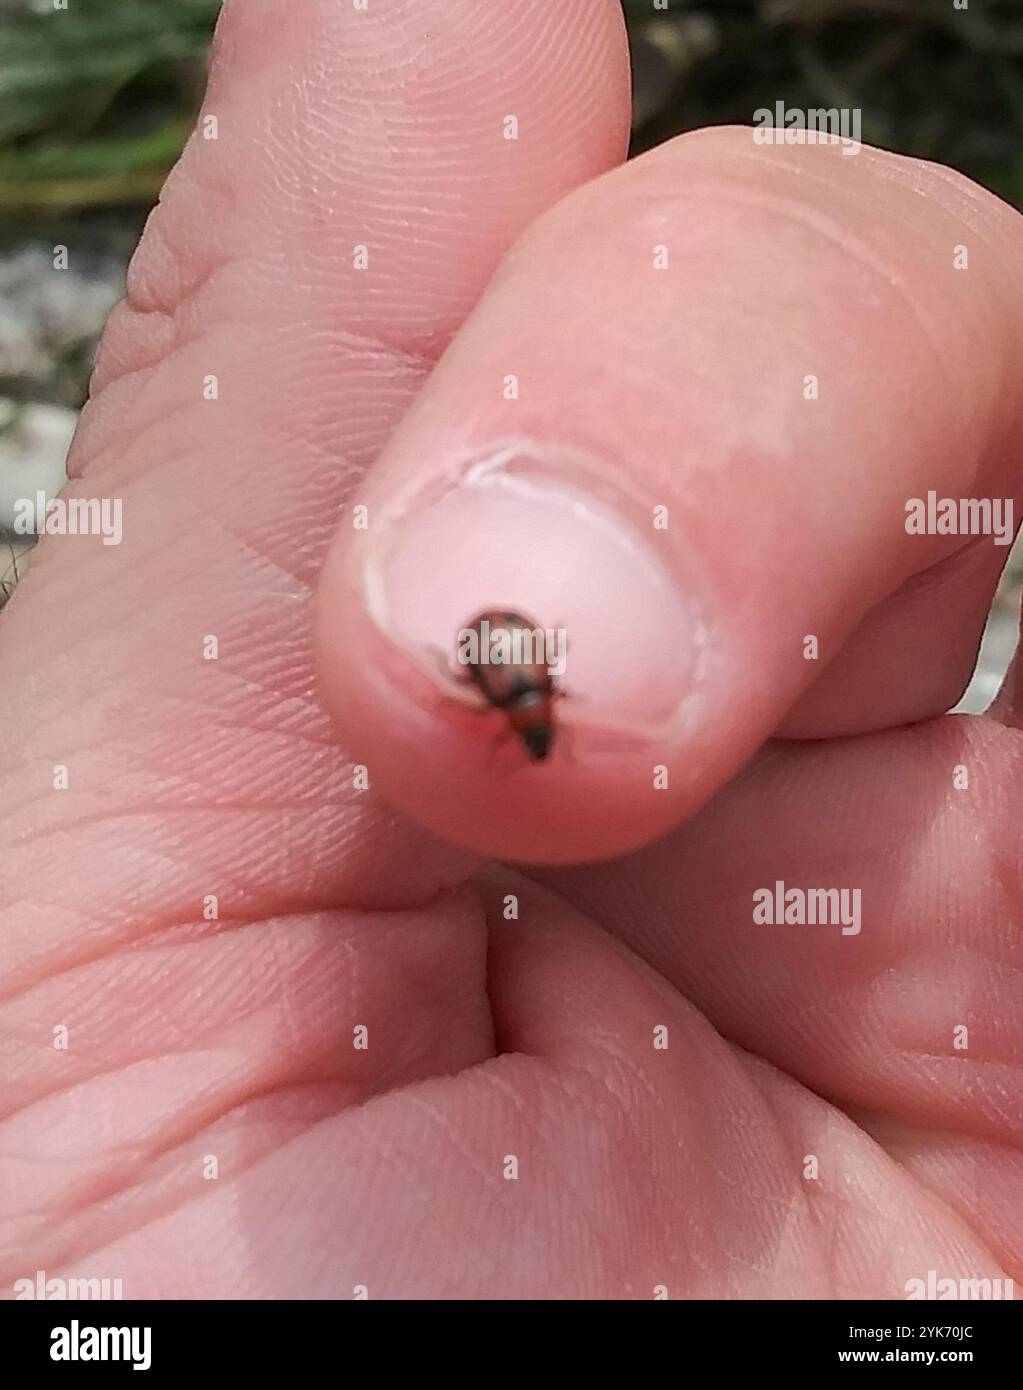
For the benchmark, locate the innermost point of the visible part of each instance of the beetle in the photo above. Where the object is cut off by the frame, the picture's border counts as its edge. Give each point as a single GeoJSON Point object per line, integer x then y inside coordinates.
{"type": "Point", "coordinates": [523, 688]}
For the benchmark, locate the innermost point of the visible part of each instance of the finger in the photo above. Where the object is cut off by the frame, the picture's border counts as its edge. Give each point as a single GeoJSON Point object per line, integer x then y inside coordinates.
{"type": "Point", "coordinates": [162, 734]}
{"type": "Point", "coordinates": [661, 485]}
{"type": "Point", "coordinates": [912, 656]}
{"type": "Point", "coordinates": [242, 387]}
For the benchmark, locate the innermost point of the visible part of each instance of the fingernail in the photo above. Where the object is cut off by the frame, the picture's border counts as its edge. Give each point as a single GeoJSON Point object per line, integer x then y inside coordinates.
{"type": "Point", "coordinates": [558, 541]}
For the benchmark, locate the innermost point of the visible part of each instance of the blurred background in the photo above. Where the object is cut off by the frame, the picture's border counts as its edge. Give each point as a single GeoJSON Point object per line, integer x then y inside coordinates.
{"type": "Point", "coordinates": [97, 99]}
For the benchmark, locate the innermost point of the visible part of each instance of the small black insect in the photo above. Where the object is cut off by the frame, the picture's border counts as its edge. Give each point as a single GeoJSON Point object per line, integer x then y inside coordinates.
{"type": "Point", "coordinates": [523, 689]}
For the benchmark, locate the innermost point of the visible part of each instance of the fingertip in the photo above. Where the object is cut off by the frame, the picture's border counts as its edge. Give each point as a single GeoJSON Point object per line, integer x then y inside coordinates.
{"type": "Point", "coordinates": [436, 750]}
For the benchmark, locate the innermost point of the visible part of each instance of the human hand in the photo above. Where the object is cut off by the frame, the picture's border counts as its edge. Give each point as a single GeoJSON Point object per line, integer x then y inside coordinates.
{"type": "Point", "coordinates": [194, 1036]}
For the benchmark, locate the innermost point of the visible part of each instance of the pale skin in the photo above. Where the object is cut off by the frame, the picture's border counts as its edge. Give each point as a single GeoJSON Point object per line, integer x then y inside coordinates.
{"type": "Point", "coordinates": [638, 1167]}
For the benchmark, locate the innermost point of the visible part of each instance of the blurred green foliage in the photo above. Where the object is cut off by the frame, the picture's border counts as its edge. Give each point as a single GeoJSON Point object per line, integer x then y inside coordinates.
{"type": "Point", "coordinates": [930, 80]}
{"type": "Point", "coordinates": [96, 100]}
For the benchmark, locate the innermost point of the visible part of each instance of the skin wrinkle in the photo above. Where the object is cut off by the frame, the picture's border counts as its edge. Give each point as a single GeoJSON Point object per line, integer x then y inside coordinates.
{"type": "Point", "coordinates": [127, 813]}
{"type": "Point", "coordinates": [70, 1254]}
{"type": "Point", "coordinates": [140, 379]}
{"type": "Point", "coordinates": [304, 711]}
{"type": "Point", "coordinates": [106, 378]}
{"type": "Point", "coordinates": [829, 1229]}
{"type": "Point", "coordinates": [923, 176]}
{"type": "Point", "coordinates": [89, 464]}
{"type": "Point", "coordinates": [141, 292]}
{"type": "Point", "coordinates": [380, 933]}
{"type": "Point", "coordinates": [135, 1065]}
{"type": "Point", "coordinates": [158, 925]}
{"type": "Point", "coordinates": [99, 465]}
{"type": "Point", "coordinates": [915, 1149]}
